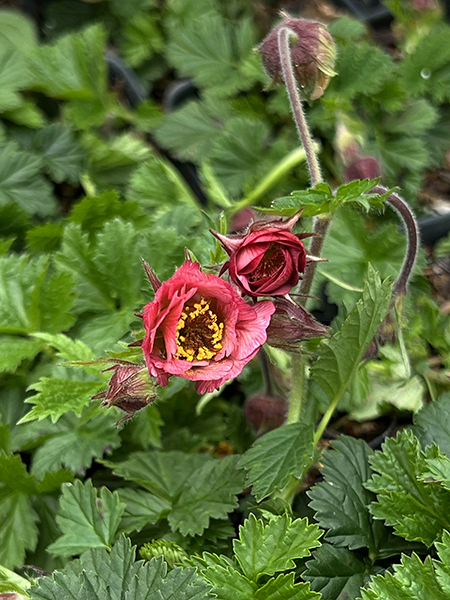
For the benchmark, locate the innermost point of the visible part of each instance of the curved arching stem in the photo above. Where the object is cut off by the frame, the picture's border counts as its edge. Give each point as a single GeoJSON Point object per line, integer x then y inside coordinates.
{"type": "Point", "coordinates": [402, 208]}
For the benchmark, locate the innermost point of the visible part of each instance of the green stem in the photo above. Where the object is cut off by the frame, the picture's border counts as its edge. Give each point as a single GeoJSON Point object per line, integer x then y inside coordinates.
{"type": "Point", "coordinates": [297, 385]}
{"type": "Point", "coordinates": [325, 420]}
{"type": "Point", "coordinates": [290, 161]}
{"type": "Point", "coordinates": [294, 415]}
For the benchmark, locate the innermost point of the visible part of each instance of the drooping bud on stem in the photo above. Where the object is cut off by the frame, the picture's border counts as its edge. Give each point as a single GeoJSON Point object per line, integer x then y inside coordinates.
{"type": "Point", "coordinates": [265, 413]}
{"type": "Point", "coordinates": [130, 389]}
{"type": "Point", "coordinates": [313, 55]}
{"type": "Point", "coordinates": [291, 324]}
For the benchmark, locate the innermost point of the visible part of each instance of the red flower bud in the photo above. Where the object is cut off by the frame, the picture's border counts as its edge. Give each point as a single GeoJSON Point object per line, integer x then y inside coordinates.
{"type": "Point", "coordinates": [313, 55]}
{"type": "Point", "coordinates": [267, 259]}
{"type": "Point", "coordinates": [291, 324]}
{"type": "Point", "coordinates": [130, 389]}
{"type": "Point", "coordinates": [265, 413]}
{"type": "Point", "coordinates": [365, 167]}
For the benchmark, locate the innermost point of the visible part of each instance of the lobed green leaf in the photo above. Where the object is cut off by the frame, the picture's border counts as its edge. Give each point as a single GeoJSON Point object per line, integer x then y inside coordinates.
{"type": "Point", "coordinates": [276, 456]}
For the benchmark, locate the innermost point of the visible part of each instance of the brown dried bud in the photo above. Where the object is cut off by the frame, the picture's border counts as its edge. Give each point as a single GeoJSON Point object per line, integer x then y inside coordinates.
{"type": "Point", "coordinates": [313, 54]}
{"type": "Point", "coordinates": [265, 413]}
{"type": "Point", "coordinates": [130, 389]}
{"type": "Point", "coordinates": [290, 324]}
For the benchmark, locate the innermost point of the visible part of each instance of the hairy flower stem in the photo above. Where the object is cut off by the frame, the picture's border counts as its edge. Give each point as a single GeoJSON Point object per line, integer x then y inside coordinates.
{"type": "Point", "coordinates": [402, 208]}
{"type": "Point", "coordinates": [284, 49]}
{"type": "Point", "coordinates": [322, 222]}
{"type": "Point", "coordinates": [321, 225]}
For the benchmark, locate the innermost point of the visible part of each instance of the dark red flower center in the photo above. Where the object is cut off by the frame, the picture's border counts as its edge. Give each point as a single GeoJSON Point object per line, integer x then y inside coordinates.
{"type": "Point", "coordinates": [270, 263]}
{"type": "Point", "coordinates": [199, 332]}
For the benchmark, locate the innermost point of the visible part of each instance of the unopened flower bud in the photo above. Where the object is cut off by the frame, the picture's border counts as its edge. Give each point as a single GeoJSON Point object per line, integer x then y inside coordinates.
{"type": "Point", "coordinates": [365, 167]}
{"type": "Point", "coordinates": [313, 54]}
{"type": "Point", "coordinates": [265, 413]}
{"type": "Point", "coordinates": [267, 258]}
{"type": "Point", "coordinates": [291, 324]}
{"type": "Point", "coordinates": [171, 552]}
{"type": "Point", "coordinates": [130, 389]}
{"type": "Point", "coordinates": [348, 141]}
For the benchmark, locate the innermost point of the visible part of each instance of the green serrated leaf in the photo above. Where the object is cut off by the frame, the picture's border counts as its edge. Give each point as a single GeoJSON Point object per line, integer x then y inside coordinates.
{"type": "Point", "coordinates": [192, 130]}
{"type": "Point", "coordinates": [353, 64]}
{"type": "Point", "coordinates": [58, 396]}
{"type": "Point", "coordinates": [265, 549]}
{"type": "Point", "coordinates": [443, 566]}
{"type": "Point", "coordinates": [236, 156]}
{"type": "Point", "coordinates": [76, 442]}
{"type": "Point", "coordinates": [88, 519]}
{"type": "Point", "coordinates": [340, 501]}
{"type": "Point", "coordinates": [30, 299]}
{"type": "Point", "coordinates": [73, 67]}
{"type": "Point", "coordinates": [411, 580]}
{"type": "Point", "coordinates": [438, 471]}
{"type": "Point", "coordinates": [52, 482]}
{"type": "Point", "coordinates": [415, 119]}
{"type": "Point", "coordinates": [141, 509]}
{"type": "Point", "coordinates": [162, 473]}
{"type": "Point", "coordinates": [21, 182]}
{"type": "Point", "coordinates": [425, 70]}
{"type": "Point", "coordinates": [417, 511]}
{"type": "Point", "coordinates": [336, 573]}
{"type": "Point", "coordinates": [94, 211]}
{"type": "Point", "coordinates": [276, 456]}
{"type": "Point", "coordinates": [62, 156]}
{"type": "Point", "coordinates": [204, 51]}
{"type": "Point", "coordinates": [14, 476]}
{"type": "Point", "coordinates": [108, 272]}
{"type": "Point", "coordinates": [209, 493]}
{"type": "Point", "coordinates": [180, 584]}
{"type": "Point", "coordinates": [45, 238]}
{"type": "Point", "coordinates": [68, 349]}
{"type": "Point", "coordinates": [14, 76]}
{"type": "Point", "coordinates": [430, 424]}
{"type": "Point", "coordinates": [229, 583]}
{"type": "Point", "coordinates": [115, 575]}
{"type": "Point", "coordinates": [18, 530]}
{"type": "Point", "coordinates": [14, 349]}
{"type": "Point", "coordinates": [142, 38]}
{"type": "Point", "coordinates": [284, 588]}
{"type": "Point", "coordinates": [340, 355]}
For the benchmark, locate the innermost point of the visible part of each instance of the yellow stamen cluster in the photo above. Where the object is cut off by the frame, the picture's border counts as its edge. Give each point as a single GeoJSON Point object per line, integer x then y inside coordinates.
{"type": "Point", "coordinates": [198, 334]}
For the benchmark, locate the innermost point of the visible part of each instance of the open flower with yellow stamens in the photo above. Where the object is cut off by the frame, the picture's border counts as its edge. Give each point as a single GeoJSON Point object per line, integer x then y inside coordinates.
{"type": "Point", "coordinates": [198, 327]}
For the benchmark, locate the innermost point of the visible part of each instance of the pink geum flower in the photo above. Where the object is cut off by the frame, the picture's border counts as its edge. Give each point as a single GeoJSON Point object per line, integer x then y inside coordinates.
{"type": "Point", "coordinates": [198, 327]}
{"type": "Point", "coordinates": [266, 260]}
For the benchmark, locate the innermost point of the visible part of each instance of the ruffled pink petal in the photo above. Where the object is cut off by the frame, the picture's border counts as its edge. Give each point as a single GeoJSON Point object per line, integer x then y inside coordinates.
{"type": "Point", "coordinates": [235, 367]}
{"type": "Point", "coordinates": [251, 328]}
